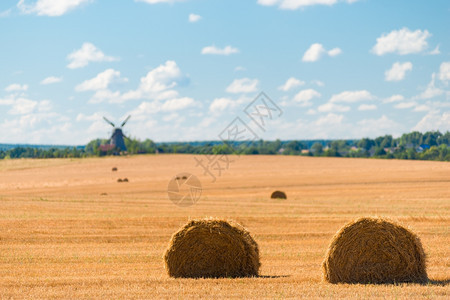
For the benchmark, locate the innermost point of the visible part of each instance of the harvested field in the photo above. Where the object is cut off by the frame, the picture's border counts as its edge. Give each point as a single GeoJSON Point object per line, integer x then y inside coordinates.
{"type": "Point", "coordinates": [68, 230]}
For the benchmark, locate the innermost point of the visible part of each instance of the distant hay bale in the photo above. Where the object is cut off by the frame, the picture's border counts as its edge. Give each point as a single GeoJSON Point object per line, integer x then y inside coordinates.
{"type": "Point", "coordinates": [373, 250]}
{"type": "Point", "coordinates": [278, 195]}
{"type": "Point", "coordinates": [125, 180]}
{"type": "Point", "coordinates": [212, 248]}
{"type": "Point", "coordinates": [119, 180]}
{"type": "Point", "coordinates": [114, 169]}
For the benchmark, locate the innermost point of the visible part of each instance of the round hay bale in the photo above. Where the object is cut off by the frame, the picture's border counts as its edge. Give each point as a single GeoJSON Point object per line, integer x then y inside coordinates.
{"type": "Point", "coordinates": [119, 180]}
{"type": "Point", "coordinates": [125, 180]}
{"type": "Point", "coordinates": [212, 248]}
{"type": "Point", "coordinates": [373, 250]}
{"type": "Point", "coordinates": [114, 169]}
{"type": "Point", "coordinates": [278, 195]}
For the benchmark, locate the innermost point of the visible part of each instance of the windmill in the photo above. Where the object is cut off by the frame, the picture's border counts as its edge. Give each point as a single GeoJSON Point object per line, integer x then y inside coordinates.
{"type": "Point", "coordinates": [116, 140]}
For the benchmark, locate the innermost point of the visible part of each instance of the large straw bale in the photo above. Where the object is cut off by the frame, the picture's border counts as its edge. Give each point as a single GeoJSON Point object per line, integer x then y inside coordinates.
{"type": "Point", "coordinates": [373, 250]}
{"type": "Point", "coordinates": [212, 248]}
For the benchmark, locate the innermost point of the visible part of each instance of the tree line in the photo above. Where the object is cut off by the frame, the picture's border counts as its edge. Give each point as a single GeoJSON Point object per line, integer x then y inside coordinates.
{"type": "Point", "coordinates": [432, 145]}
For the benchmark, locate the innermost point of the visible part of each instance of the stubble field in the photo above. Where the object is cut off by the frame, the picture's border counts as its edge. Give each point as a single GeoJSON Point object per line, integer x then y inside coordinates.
{"type": "Point", "coordinates": [68, 229]}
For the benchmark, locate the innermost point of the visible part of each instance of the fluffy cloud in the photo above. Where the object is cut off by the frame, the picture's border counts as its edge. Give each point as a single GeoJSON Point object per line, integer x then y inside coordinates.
{"type": "Point", "coordinates": [398, 71]}
{"type": "Point", "coordinates": [86, 54]}
{"type": "Point", "coordinates": [101, 81]}
{"type": "Point", "coordinates": [334, 52]}
{"type": "Point", "coordinates": [296, 4]}
{"type": "Point", "coordinates": [305, 96]}
{"type": "Point", "coordinates": [377, 127]}
{"type": "Point", "coordinates": [403, 41]}
{"type": "Point", "coordinates": [394, 98]}
{"type": "Point", "coordinates": [444, 71]}
{"type": "Point", "coordinates": [244, 85]}
{"type": "Point", "coordinates": [434, 120]}
{"type": "Point", "coordinates": [51, 80]}
{"type": "Point", "coordinates": [218, 51]}
{"type": "Point", "coordinates": [148, 108]}
{"type": "Point", "coordinates": [431, 91]}
{"type": "Point", "coordinates": [364, 107]}
{"type": "Point", "coordinates": [330, 119]}
{"type": "Point", "coordinates": [15, 87]}
{"type": "Point", "coordinates": [405, 105]}
{"type": "Point", "coordinates": [316, 51]}
{"type": "Point", "coordinates": [52, 8]}
{"type": "Point", "coordinates": [158, 83]}
{"type": "Point", "coordinates": [290, 84]}
{"type": "Point", "coordinates": [351, 97]}
{"type": "Point", "coordinates": [435, 51]}
{"type": "Point", "coordinates": [23, 106]}
{"type": "Point", "coordinates": [194, 18]}
{"type": "Point", "coordinates": [177, 104]}
{"type": "Point", "coordinates": [331, 107]}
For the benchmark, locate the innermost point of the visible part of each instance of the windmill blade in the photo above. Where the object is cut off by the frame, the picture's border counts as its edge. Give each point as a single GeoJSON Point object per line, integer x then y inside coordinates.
{"type": "Point", "coordinates": [108, 121]}
{"type": "Point", "coordinates": [125, 122]}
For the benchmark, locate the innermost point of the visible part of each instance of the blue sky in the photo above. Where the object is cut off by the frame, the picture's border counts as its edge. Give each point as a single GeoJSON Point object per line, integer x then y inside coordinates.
{"type": "Point", "coordinates": [185, 69]}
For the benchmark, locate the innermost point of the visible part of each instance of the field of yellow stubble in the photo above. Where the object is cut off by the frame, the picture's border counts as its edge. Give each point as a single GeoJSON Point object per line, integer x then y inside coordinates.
{"type": "Point", "coordinates": [61, 238]}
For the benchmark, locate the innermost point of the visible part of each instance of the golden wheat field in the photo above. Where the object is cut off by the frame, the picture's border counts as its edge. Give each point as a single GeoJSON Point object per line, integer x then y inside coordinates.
{"type": "Point", "coordinates": [68, 229]}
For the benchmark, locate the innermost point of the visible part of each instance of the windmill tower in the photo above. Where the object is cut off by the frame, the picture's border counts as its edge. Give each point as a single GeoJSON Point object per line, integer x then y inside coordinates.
{"type": "Point", "coordinates": [116, 139]}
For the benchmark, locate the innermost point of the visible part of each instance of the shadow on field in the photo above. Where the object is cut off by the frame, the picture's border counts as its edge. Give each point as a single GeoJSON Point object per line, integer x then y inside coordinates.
{"type": "Point", "coordinates": [443, 282]}
{"type": "Point", "coordinates": [273, 276]}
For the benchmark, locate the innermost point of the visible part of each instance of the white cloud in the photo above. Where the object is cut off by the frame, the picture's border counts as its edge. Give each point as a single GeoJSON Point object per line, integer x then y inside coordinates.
{"type": "Point", "coordinates": [434, 120]}
{"type": "Point", "coordinates": [398, 71]}
{"type": "Point", "coordinates": [218, 51]}
{"type": "Point", "coordinates": [106, 96]}
{"type": "Point", "coordinates": [177, 104]}
{"type": "Point", "coordinates": [422, 107]}
{"type": "Point", "coordinates": [378, 127]}
{"type": "Point", "coordinates": [316, 51]}
{"type": "Point", "coordinates": [435, 51]}
{"type": "Point", "coordinates": [23, 106]}
{"type": "Point", "coordinates": [290, 84]}
{"type": "Point", "coordinates": [404, 105]}
{"type": "Point", "coordinates": [149, 108]}
{"type": "Point", "coordinates": [194, 18]}
{"type": "Point", "coordinates": [221, 104]}
{"type": "Point", "coordinates": [318, 83]}
{"type": "Point", "coordinates": [244, 85]}
{"type": "Point", "coordinates": [364, 107]}
{"type": "Point", "coordinates": [444, 71]}
{"type": "Point", "coordinates": [330, 119]}
{"type": "Point", "coordinates": [351, 97]}
{"type": "Point", "coordinates": [51, 80]}
{"type": "Point", "coordinates": [334, 52]}
{"type": "Point", "coordinates": [101, 81]}
{"type": "Point", "coordinates": [52, 8]}
{"type": "Point", "coordinates": [403, 41]}
{"type": "Point", "coordinates": [5, 13]}
{"type": "Point", "coordinates": [330, 107]}
{"type": "Point", "coordinates": [158, 83]}
{"type": "Point", "coordinates": [15, 87]}
{"type": "Point", "coordinates": [296, 4]}
{"type": "Point", "coordinates": [431, 91]}
{"type": "Point", "coordinates": [394, 98]}
{"type": "Point", "coordinates": [86, 54]}
{"type": "Point", "coordinates": [305, 96]}
{"type": "Point", "coordinates": [239, 68]}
